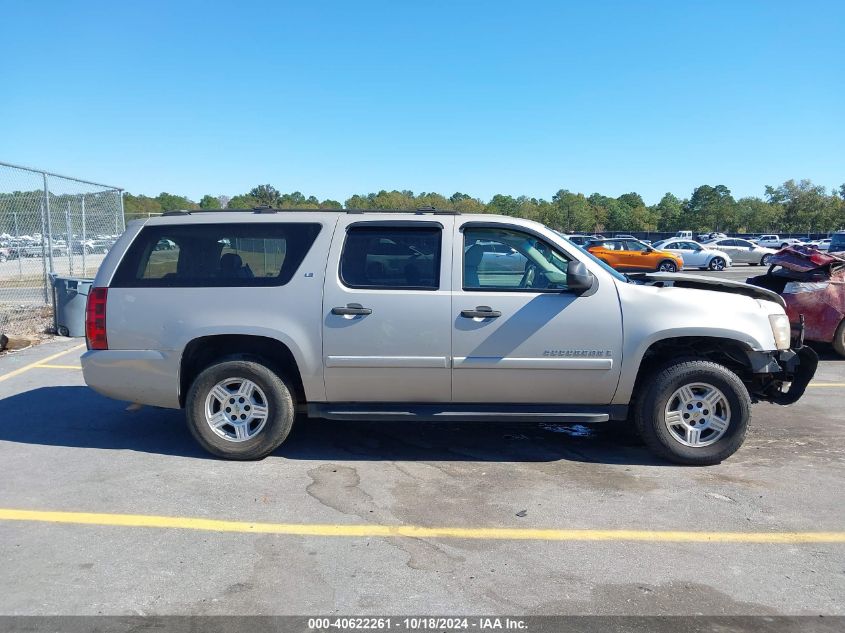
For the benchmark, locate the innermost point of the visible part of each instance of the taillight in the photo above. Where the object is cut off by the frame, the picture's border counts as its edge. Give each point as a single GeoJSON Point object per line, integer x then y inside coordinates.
{"type": "Point", "coordinates": [95, 319]}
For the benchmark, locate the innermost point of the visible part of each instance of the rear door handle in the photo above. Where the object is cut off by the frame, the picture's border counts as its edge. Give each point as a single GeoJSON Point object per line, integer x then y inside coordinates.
{"type": "Point", "coordinates": [481, 312]}
{"type": "Point", "coordinates": [353, 309]}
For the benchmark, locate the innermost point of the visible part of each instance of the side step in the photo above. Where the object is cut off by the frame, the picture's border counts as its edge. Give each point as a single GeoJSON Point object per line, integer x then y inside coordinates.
{"type": "Point", "coordinates": [399, 412]}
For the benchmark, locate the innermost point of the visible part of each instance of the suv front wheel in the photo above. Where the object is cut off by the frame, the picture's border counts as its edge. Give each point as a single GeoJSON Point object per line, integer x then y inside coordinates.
{"type": "Point", "coordinates": [694, 412]}
{"type": "Point", "coordinates": [240, 409]}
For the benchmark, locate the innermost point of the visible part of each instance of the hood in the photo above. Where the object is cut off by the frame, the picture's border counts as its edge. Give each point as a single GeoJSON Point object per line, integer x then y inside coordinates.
{"type": "Point", "coordinates": [699, 282]}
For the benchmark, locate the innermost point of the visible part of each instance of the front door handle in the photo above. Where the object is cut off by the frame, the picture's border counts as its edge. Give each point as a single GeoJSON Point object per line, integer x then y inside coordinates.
{"type": "Point", "coordinates": [481, 312]}
{"type": "Point", "coordinates": [352, 309]}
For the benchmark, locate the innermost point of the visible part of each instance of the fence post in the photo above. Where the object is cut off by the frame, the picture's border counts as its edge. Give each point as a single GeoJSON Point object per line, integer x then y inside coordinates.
{"type": "Point", "coordinates": [49, 226]}
{"type": "Point", "coordinates": [122, 212]}
{"type": "Point", "coordinates": [43, 255]}
{"type": "Point", "coordinates": [68, 240]}
{"type": "Point", "coordinates": [18, 243]}
{"type": "Point", "coordinates": [84, 238]}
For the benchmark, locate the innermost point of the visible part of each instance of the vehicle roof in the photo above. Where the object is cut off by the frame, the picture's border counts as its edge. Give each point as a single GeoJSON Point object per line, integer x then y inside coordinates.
{"type": "Point", "coordinates": [227, 216]}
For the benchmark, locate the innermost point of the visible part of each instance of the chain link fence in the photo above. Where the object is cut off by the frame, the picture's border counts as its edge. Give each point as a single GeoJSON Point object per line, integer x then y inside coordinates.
{"type": "Point", "coordinates": [49, 225]}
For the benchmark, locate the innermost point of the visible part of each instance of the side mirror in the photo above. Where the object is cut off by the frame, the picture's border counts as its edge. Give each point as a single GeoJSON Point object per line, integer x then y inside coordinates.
{"type": "Point", "coordinates": [578, 277]}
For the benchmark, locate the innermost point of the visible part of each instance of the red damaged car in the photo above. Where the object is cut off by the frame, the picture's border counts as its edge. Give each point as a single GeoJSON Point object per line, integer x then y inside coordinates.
{"type": "Point", "coordinates": [813, 285]}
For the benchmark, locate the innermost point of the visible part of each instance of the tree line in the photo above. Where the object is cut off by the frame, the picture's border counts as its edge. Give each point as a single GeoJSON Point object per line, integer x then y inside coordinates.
{"type": "Point", "coordinates": [794, 207]}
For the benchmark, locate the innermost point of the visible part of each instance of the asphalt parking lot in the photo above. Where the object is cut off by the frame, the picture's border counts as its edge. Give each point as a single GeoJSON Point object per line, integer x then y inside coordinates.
{"type": "Point", "coordinates": [367, 518]}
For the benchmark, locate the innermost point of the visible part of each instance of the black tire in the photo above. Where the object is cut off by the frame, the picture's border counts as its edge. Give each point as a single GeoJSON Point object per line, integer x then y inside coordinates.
{"type": "Point", "coordinates": [717, 263]}
{"type": "Point", "coordinates": [764, 261]}
{"type": "Point", "coordinates": [839, 339]}
{"type": "Point", "coordinates": [649, 411]}
{"type": "Point", "coordinates": [280, 404]}
{"type": "Point", "coordinates": [784, 245]}
{"type": "Point", "coordinates": [667, 266]}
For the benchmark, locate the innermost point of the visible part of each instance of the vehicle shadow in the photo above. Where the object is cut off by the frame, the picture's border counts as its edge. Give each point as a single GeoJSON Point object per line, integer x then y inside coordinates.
{"type": "Point", "coordinates": [825, 351]}
{"type": "Point", "coordinates": [78, 417]}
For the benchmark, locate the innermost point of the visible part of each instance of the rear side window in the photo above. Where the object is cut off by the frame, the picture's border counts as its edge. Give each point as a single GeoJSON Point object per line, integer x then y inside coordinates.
{"type": "Point", "coordinates": [382, 257]}
{"type": "Point", "coordinates": [215, 255]}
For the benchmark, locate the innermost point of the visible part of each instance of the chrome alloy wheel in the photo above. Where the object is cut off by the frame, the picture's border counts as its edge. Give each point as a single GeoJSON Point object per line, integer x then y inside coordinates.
{"type": "Point", "coordinates": [236, 409]}
{"type": "Point", "coordinates": [717, 263]}
{"type": "Point", "coordinates": [667, 267]}
{"type": "Point", "coordinates": [697, 414]}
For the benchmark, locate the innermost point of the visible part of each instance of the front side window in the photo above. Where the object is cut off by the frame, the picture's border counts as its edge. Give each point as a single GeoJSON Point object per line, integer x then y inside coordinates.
{"type": "Point", "coordinates": [384, 257]}
{"type": "Point", "coordinates": [506, 259]}
{"type": "Point", "coordinates": [632, 245]}
{"type": "Point", "coordinates": [215, 255]}
{"type": "Point", "coordinates": [608, 246]}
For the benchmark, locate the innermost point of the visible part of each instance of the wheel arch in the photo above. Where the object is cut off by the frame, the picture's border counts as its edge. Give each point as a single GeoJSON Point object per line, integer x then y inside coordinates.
{"type": "Point", "coordinates": [202, 351]}
{"type": "Point", "coordinates": [730, 352]}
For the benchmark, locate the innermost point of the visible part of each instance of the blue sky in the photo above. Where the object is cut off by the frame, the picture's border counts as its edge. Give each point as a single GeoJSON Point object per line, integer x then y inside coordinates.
{"type": "Point", "coordinates": [336, 98]}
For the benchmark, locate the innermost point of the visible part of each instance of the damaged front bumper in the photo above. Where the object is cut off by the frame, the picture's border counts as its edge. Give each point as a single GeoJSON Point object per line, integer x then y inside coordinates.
{"type": "Point", "coordinates": [782, 376]}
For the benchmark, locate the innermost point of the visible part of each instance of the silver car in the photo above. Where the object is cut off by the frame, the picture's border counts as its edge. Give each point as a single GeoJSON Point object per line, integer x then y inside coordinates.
{"type": "Point", "coordinates": [696, 255]}
{"type": "Point", "coordinates": [743, 251]}
{"type": "Point", "coordinates": [245, 319]}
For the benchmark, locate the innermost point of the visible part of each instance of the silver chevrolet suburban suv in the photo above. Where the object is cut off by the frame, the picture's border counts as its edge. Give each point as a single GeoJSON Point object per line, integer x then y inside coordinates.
{"type": "Point", "coordinates": [246, 318]}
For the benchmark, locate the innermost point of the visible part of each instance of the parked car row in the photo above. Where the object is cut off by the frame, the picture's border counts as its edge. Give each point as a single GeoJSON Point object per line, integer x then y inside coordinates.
{"type": "Point", "coordinates": [36, 246]}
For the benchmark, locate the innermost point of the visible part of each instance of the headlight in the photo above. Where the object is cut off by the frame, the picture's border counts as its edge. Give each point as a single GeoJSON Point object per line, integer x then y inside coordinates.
{"type": "Point", "coordinates": [781, 330]}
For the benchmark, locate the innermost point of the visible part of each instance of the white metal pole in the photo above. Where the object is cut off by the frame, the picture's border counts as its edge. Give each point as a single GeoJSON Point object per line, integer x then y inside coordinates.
{"type": "Point", "coordinates": [84, 238]}
{"type": "Point", "coordinates": [44, 280]}
{"type": "Point", "coordinates": [49, 226]}
{"type": "Point", "coordinates": [69, 240]}
{"type": "Point", "coordinates": [18, 244]}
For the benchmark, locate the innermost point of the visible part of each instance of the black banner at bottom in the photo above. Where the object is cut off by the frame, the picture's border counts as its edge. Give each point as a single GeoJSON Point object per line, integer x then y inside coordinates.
{"type": "Point", "coordinates": [406, 624]}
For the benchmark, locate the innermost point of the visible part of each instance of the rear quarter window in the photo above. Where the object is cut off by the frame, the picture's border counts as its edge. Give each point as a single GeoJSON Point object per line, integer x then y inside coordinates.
{"type": "Point", "coordinates": [215, 255]}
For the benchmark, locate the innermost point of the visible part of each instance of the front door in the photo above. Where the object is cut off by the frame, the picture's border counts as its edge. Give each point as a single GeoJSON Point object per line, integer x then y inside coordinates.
{"type": "Point", "coordinates": [386, 311]}
{"type": "Point", "coordinates": [518, 334]}
{"type": "Point", "coordinates": [637, 256]}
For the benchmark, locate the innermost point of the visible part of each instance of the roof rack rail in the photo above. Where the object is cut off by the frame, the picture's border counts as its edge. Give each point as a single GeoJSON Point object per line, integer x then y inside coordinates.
{"type": "Point", "coordinates": [268, 209]}
{"type": "Point", "coordinates": [419, 211]}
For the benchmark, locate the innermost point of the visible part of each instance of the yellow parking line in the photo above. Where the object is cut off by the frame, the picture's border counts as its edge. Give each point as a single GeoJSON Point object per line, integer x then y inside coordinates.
{"type": "Point", "coordinates": [414, 531]}
{"type": "Point", "coordinates": [58, 366]}
{"type": "Point", "coordinates": [26, 368]}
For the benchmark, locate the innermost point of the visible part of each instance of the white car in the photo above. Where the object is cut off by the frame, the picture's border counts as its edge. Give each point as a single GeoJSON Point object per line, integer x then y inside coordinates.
{"type": "Point", "coordinates": [695, 255]}
{"type": "Point", "coordinates": [743, 251]}
{"type": "Point", "coordinates": [821, 245]}
{"type": "Point", "coordinates": [776, 241]}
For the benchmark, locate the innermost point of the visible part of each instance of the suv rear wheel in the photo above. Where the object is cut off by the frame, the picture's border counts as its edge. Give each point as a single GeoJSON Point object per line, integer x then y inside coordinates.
{"type": "Point", "coordinates": [240, 409]}
{"type": "Point", "coordinates": [694, 412]}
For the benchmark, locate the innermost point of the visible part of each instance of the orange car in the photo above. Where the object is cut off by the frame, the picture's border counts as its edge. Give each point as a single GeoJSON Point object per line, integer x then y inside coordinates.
{"type": "Point", "coordinates": [630, 255]}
